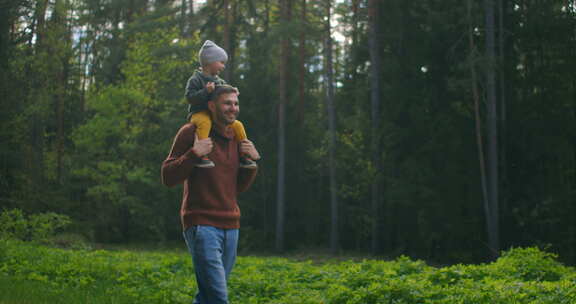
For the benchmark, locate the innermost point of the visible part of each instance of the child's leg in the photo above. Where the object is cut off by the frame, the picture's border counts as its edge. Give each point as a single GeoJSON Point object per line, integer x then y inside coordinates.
{"type": "Point", "coordinates": [203, 123]}
{"type": "Point", "coordinates": [239, 130]}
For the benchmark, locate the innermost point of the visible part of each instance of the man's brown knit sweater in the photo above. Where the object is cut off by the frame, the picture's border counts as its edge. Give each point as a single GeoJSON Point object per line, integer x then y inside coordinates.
{"type": "Point", "coordinates": [209, 196]}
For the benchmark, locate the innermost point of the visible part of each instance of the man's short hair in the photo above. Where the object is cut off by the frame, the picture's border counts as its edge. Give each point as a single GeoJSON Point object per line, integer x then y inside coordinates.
{"type": "Point", "coordinates": [221, 90]}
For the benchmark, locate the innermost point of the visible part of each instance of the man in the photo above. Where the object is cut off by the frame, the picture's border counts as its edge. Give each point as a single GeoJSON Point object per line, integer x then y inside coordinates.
{"type": "Point", "coordinates": [210, 215]}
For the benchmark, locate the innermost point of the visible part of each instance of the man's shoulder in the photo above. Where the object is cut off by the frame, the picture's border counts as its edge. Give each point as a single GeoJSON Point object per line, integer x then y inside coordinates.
{"type": "Point", "coordinates": [188, 127]}
{"type": "Point", "coordinates": [187, 130]}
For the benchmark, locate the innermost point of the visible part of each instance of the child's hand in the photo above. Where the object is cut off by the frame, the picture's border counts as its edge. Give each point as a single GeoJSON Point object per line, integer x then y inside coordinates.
{"type": "Point", "coordinates": [210, 87]}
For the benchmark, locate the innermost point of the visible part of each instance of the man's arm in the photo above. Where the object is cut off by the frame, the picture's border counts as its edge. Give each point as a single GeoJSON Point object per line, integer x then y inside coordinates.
{"type": "Point", "coordinates": [183, 156]}
{"type": "Point", "coordinates": [247, 176]}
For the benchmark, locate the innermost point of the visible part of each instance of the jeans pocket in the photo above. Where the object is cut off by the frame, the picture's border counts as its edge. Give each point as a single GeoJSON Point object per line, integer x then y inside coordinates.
{"type": "Point", "coordinates": [190, 233]}
{"type": "Point", "coordinates": [194, 230]}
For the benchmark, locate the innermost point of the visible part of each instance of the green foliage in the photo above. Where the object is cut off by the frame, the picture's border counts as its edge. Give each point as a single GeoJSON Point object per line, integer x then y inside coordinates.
{"type": "Point", "coordinates": [14, 224]}
{"type": "Point", "coordinates": [121, 145]}
{"type": "Point", "coordinates": [44, 225]}
{"type": "Point", "coordinates": [529, 264]}
{"type": "Point", "coordinates": [92, 95]}
{"type": "Point", "coordinates": [39, 292]}
{"type": "Point", "coordinates": [168, 277]}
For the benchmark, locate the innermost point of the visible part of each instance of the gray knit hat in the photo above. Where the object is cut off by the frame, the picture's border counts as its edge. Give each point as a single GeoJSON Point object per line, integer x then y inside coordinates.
{"type": "Point", "coordinates": [210, 52]}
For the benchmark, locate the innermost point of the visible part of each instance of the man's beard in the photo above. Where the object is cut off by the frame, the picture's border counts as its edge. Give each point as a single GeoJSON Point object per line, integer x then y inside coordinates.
{"type": "Point", "coordinates": [225, 119]}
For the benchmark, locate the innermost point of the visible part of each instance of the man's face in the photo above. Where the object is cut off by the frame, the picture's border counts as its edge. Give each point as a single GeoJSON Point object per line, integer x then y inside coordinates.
{"type": "Point", "coordinates": [226, 108]}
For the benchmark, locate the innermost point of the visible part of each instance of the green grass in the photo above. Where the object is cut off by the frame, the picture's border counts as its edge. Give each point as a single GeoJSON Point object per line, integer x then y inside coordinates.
{"type": "Point", "coordinates": [14, 291]}
{"type": "Point", "coordinates": [31, 273]}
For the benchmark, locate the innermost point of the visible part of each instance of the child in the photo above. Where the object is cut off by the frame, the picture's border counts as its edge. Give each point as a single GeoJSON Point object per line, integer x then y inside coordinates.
{"type": "Point", "coordinates": [212, 59]}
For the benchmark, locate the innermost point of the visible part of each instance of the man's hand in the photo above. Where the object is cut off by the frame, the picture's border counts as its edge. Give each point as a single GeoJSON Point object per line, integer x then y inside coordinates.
{"type": "Point", "coordinates": [247, 147]}
{"type": "Point", "coordinates": [210, 87]}
{"type": "Point", "coordinates": [202, 146]}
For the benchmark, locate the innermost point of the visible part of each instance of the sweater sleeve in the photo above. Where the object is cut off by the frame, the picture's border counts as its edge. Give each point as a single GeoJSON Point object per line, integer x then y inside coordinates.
{"type": "Point", "coordinates": [196, 93]}
{"type": "Point", "coordinates": [246, 178]}
{"type": "Point", "coordinates": [181, 160]}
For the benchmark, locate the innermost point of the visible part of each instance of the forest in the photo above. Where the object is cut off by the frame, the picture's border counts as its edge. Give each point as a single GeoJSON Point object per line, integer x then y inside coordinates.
{"type": "Point", "coordinates": [439, 130]}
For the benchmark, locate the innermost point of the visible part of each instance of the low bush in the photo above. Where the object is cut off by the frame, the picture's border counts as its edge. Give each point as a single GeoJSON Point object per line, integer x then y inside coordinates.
{"type": "Point", "coordinates": [14, 224]}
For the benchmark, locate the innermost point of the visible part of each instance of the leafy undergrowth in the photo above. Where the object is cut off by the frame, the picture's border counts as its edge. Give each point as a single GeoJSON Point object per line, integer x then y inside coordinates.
{"type": "Point", "coordinates": [522, 275]}
{"type": "Point", "coordinates": [35, 292]}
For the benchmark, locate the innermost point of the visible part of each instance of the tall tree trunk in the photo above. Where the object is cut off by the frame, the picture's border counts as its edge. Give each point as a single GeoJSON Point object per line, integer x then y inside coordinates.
{"type": "Point", "coordinates": [281, 133]}
{"type": "Point", "coordinates": [191, 23]}
{"type": "Point", "coordinates": [478, 119]}
{"type": "Point", "coordinates": [6, 23]}
{"type": "Point", "coordinates": [38, 124]}
{"type": "Point", "coordinates": [503, 117]}
{"type": "Point", "coordinates": [266, 15]}
{"type": "Point", "coordinates": [183, 18]}
{"type": "Point", "coordinates": [60, 96]}
{"type": "Point", "coordinates": [60, 129]}
{"type": "Point", "coordinates": [334, 235]}
{"type": "Point", "coordinates": [84, 75]}
{"type": "Point", "coordinates": [60, 28]}
{"type": "Point", "coordinates": [302, 63]}
{"type": "Point", "coordinates": [571, 14]}
{"type": "Point", "coordinates": [374, 40]}
{"type": "Point", "coordinates": [231, 66]}
{"type": "Point", "coordinates": [227, 25]}
{"type": "Point", "coordinates": [354, 44]}
{"type": "Point", "coordinates": [352, 79]}
{"type": "Point", "coordinates": [573, 169]}
{"type": "Point", "coordinates": [573, 51]}
{"type": "Point", "coordinates": [40, 20]}
{"type": "Point", "coordinates": [492, 124]}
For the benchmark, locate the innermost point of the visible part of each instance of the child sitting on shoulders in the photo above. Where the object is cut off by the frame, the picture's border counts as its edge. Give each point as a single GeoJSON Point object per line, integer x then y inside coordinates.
{"type": "Point", "coordinates": [201, 84]}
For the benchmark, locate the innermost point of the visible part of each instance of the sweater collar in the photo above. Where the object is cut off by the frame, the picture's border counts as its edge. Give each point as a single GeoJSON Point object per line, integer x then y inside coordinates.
{"type": "Point", "coordinates": [225, 132]}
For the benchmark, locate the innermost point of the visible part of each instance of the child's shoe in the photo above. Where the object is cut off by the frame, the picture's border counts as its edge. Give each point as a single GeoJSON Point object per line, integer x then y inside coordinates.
{"type": "Point", "coordinates": [205, 162]}
{"type": "Point", "coordinates": [247, 163]}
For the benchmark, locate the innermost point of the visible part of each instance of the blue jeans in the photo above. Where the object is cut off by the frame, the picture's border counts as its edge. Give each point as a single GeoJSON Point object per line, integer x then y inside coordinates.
{"type": "Point", "coordinates": [213, 253]}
